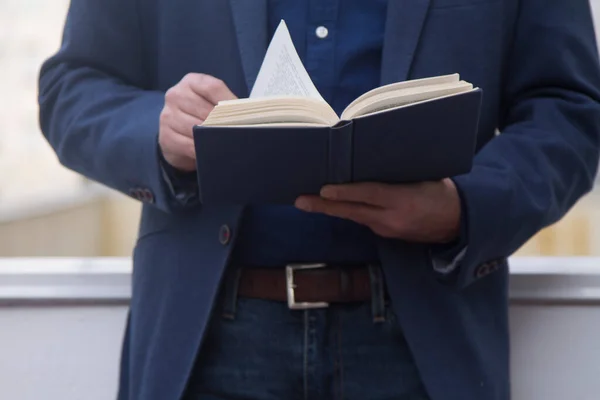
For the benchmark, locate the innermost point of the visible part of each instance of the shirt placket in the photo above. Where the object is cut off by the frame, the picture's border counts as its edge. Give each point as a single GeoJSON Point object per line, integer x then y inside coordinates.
{"type": "Point", "coordinates": [320, 45]}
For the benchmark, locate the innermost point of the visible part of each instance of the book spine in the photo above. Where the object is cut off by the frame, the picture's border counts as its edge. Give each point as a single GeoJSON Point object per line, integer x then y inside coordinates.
{"type": "Point", "coordinates": [340, 153]}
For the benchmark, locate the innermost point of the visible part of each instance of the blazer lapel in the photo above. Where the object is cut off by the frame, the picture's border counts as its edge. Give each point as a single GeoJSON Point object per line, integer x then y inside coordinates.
{"type": "Point", "coordinates": [405, 19]}
{"type": "Point", "coordinates": [250, 20]}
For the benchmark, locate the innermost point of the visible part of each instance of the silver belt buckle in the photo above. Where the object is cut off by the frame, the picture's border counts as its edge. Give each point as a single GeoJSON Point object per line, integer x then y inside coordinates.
{"type": "Point", "coordinates": [290, 286]}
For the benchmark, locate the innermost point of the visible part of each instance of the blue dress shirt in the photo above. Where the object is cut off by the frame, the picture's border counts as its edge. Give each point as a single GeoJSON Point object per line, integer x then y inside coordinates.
{"type": "Point", "coordinates": [340, 44]}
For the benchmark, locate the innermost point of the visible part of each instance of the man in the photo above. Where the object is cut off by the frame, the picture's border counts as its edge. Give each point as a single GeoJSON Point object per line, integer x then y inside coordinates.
{"type": "Point", "coordinates": [415, 275]}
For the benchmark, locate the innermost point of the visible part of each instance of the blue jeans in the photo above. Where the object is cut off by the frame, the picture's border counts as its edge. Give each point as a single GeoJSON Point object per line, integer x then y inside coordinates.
{"type": "Point", "coordinates": [261, 350]}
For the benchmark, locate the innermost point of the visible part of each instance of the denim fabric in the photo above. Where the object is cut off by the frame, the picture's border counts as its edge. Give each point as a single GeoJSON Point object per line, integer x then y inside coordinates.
{"type": "Point", "coordinates": [262, 350]}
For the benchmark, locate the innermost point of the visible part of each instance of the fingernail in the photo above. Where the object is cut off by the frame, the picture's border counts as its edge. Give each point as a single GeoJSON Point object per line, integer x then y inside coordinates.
{"type": "Point", "coordinates": [328, 192]}
{"type": "Point", "coordinates": [303, 204]}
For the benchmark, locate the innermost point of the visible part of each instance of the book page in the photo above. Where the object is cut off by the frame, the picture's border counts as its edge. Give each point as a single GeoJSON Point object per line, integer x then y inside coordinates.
{"type": "Point", "coordinates": [396, 98]}
{"type": "Point", "coordinates": [397, 86]}
{"type": "Point", "coordinates": [266, 110]}
{"type": "Point", "coordinates": [282, 72]}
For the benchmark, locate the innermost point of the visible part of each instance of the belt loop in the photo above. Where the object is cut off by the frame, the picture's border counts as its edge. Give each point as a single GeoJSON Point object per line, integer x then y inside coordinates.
{"type": "Point", "coordinates": [345, 283]}
{"type": "Point", "coordinates": [232, 282]}
{"type": "Point", "coordinates": [377, 294]}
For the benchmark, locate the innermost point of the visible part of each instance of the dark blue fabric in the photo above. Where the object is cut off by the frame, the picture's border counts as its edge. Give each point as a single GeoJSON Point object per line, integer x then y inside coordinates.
{"type": "Point", "coordinates": [334, 353]}
{"type": "Point", "coordinates": [102, 93]}
{"type": "Point", "coordinates": [344, 65]}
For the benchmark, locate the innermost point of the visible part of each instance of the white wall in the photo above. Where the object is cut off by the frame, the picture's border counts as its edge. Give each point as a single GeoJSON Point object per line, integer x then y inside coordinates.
{"type": "Point", "coordinates": [555, 352]}
{"type": "Point", "coordinates": [60, 353]}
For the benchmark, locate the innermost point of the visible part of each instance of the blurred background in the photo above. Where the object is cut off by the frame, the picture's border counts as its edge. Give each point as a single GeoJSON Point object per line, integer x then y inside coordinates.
{"type": "Point", "coordinates": [46, 210]}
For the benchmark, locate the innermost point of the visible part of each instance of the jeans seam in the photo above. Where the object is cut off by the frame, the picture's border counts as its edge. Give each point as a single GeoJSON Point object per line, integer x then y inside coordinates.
{"type": "Point", "coordinates": [305, 369]}
{"type": "Point", "coordinates": [339, 360]}
{"type": "Point", "coordinates": [377, 294]}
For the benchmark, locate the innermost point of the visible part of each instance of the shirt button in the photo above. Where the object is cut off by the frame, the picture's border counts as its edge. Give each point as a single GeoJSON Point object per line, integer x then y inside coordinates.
{"type": "Point", "coordinates": [322, 32]}
{"type": "Point", "coordinates": [224, 235]}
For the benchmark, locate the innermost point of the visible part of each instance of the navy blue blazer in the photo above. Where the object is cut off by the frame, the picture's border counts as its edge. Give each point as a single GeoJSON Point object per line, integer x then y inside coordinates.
{"type": "Point", "coordinates": [102, 93]}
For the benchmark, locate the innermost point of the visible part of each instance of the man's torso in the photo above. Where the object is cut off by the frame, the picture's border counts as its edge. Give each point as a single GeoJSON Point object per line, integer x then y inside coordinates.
{"type": "Point", "coordinates": [179, 259]}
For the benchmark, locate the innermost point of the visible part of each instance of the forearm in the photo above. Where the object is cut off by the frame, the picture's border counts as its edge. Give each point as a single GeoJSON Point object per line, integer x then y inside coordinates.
{"type": "Point", "coordinates": [103, 129]}
{"type": "Point", "coordinates": [547, 154]}
{"type": "Point", "coordinates": [94, 109]}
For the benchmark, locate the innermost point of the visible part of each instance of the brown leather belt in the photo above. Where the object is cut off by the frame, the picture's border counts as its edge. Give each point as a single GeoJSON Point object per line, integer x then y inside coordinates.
{"type": "Point", "coordinates": [306, 286]}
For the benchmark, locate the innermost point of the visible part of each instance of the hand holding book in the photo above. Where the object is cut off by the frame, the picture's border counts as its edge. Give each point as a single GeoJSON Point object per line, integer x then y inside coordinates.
{"type": "Point", "coordinates": [426, 212]}
{"type": "Point", "coordinates": [187, 104]}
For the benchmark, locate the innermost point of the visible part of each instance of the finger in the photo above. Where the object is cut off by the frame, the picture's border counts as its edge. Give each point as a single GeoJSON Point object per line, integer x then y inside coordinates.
{"type": "Point", "coordinates": [375, 194]}
{"type": "Point", "coordinates": [183, 98]}
{"type": "Point", "coordinates": [211, 88]}
{"type": "Point", "coordinates": [183, 123]}
{"type": "Point", "coordinates": [179, 144]}
{"type": "Point", "coordinates": [195, 106]}
{"type": "Point", "coordinates": [359, 213]}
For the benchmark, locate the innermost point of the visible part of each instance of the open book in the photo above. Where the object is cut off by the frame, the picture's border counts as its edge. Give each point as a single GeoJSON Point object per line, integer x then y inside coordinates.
{"type": "Point", "coordinates": [285, 140]}
{"type": "Point", "coordinates": [285, 94]}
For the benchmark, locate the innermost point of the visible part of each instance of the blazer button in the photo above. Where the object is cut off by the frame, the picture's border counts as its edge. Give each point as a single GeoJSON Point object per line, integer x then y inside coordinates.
{"type": "Point", "coordinates": [135, 193]}
{"type": "Point", "coordinates": [148, 196]}
{"type": "Point", "coordinates": [224, 235]}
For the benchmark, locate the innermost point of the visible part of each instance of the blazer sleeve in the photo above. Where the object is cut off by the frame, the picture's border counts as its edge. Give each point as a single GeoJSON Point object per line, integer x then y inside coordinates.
{"type": "Point", "coordinates": [95, 107]}
{"type": "Point", "coordinates": [546, 156]}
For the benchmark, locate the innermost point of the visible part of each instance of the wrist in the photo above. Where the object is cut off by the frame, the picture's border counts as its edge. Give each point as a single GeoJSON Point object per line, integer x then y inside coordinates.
{"type": "Point", "coordinates": [452, 210]}
{"type": "Point", "coordinates": [183, 186]}
{"type": "Point", "coordinates": [176, 174]}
